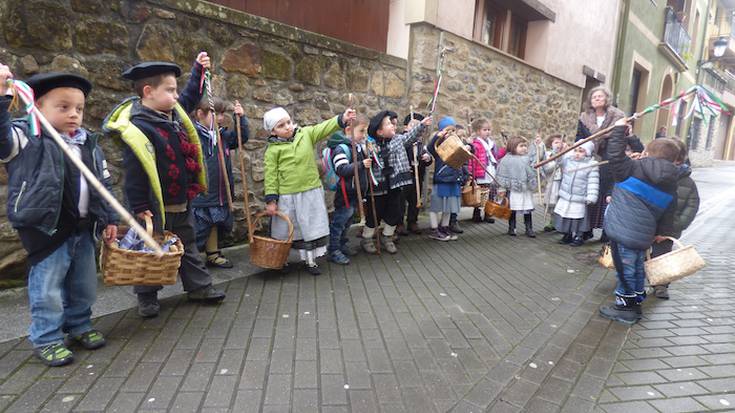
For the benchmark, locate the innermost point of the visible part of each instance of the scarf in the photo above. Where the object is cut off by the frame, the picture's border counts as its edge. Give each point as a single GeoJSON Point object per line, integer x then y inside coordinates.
{"type": "Point", "coordinates": [78, 138]}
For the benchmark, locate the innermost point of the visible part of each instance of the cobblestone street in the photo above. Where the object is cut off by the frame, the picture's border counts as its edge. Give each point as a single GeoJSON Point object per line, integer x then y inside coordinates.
{"type": "Point", "coordinates": [487, 323]}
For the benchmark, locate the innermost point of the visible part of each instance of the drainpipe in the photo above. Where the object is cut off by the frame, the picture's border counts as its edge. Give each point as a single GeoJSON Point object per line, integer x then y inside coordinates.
{"type": "Point", "coordinates": [622, 32]}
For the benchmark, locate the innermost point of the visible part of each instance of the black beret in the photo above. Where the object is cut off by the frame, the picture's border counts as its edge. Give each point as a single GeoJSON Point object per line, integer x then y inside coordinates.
{"type": "Point", "coordinates": [43, 83]}
{"type": "Point", "coordinates": [417, 116]}
{"type": "Point", "coordinates": [376, 120]}
{"type": "Point", "coordinates": [150, 69]}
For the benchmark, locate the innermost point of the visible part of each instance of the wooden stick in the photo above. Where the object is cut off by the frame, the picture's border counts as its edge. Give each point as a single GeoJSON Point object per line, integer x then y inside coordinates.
{"type": "Point", "coordinates": [375, 213]}
{"type": "Point", "coordinates": [95, 183]}
{"type": "Point", "coordinates": [538, 172]}
{"type": "Point", "coordinates": [245, 191]}
{"type": "Point", "coordinates": [589, 166]}
{"type": "Point", "coordinates": [416, 174]}
{"type": "Point", "coordinates": [358, 189]}
{"type": "Point", "coordinates": [220, 151]}
{"type": "Point", "coordinates": [580, 143]}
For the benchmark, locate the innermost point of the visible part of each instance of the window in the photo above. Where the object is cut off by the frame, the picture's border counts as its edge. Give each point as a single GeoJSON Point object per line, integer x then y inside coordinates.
{"type": "Point", "coordinates": [710, 132]}
{"type": "Point", "coordinates": [694, 132]}
{"type": "Point", "coordinates": [498, 26]}
{"type": "Point", "coordinates": [638, 88]}
{"type": "Point", "coordinates": [680, 116]}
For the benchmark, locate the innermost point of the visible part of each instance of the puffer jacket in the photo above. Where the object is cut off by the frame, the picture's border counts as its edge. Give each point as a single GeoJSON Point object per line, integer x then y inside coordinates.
{"type": "Point", "coordinates": [687, 201]}
{"type": "Point", "coordinates": [643, 199]}
{"type": "Point", "coordinates": [577, 184]}
{"type": "Point", "coordinates": [444, 173]}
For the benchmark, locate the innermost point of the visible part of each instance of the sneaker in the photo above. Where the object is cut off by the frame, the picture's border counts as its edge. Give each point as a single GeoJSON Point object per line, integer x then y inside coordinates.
{"type": "Point", "coordinates": [54, 355]}
{"type": "Point", "coordinates": [218, 260]}
{"type": "Point", "coordinates": [577, 241]}
{"type": "Point", "coordinates": [207, 294]}
{"type": "Point", "coordinates": [388, 244]}
{"type": "Point", "coordinates": [438, 235]}
{"type": "Point", "coordinates": [314, 269]}
{"type": "Point", "coordinates": [338, 257]}
{"type": "Point", "coordinates": [368, 245]}
{"type": "Point", "coordinates": [91, 340]}
{"type": "Point", "coordinates": [448, 232]}
{"type": "Point", "coordinates": [549, 228]}
{"type": "Point", "coordinates": [623, 310]}
{"type": "Point", "coordinates": [661, 291]}
{"type": "Point", "coordinates": [148, 306]}
{"type": "Point", "coordinates": [566, 239]}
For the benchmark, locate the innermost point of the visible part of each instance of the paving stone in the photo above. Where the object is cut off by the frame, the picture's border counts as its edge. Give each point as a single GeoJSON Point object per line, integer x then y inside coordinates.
{"type": "Point", "coordinates": [718, 401]}
{"type": "Point", "coordinates": [685, 374]}
{"type": "Point", "coordinates": [278, 389]}
{"type": "Point", "coordinates": [101, 393]}
{"type": "Point", "coordinates": [35, 396]}
{"type": "Point", "coordinates": [681, 404]}
{"type": "Point", "coordinates": [627, 407]}
{"type": "Point", "coordinates": [162, 392]}
{"type": "Point", "coordinates": [221, 391]}
{"type": "Point", "coordinates": [187, 402]}
{"type": "Point", "coordinates": [332, 389]}
{"type": "Point", "coordinates": [719, 385]}
{"type": "Point", "coordinates": [643, 377]}
{"type": "Point", "coordinates": [305, 400]}
{"type": "Point", "coordinates": [125, 402]}
{"type": "Point", "coordinates": [635, 393]}
{"type": "Point", "coordinates": [248, 401]}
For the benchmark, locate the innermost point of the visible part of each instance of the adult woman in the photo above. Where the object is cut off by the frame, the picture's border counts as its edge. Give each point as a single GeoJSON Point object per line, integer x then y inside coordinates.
{"type": "Point", "coordinates": [600, 114]}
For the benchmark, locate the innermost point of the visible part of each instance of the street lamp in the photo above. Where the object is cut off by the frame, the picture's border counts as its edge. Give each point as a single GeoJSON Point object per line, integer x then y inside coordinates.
{"type": "Point", "coordinates": [720, 45]}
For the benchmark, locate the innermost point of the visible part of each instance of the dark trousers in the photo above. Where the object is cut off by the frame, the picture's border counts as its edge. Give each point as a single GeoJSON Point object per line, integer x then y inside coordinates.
{"type": "Point", "coordinates": [192, 271]}
{"type": "Point", "coordinates": [412, 210]}
{"type": "Point", "coordinates": [387, 208]}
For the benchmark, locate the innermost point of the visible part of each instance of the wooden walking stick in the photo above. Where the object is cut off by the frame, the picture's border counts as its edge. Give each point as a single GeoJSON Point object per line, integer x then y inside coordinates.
{"type": "Point", "coordinates": [26, 94]}
{"type": "Point", "coordinates": [416, 174]}
{"type": "Point", "coordinates": [372, 202]}
{"type": "Point", "coordinates": [220, 151]}
{"type": "Point", "coordinates": [358, 189]}
{"type": "Point", "coordinates": [245, 192]}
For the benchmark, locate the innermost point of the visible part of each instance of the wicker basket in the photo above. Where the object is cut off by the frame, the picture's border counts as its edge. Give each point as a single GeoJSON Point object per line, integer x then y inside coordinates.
{"type": "Point", "coordinates": [473, 195]}
{"type": "Point", "coordinates": [672, 266]}
{"type": "Point", "coordinates": [501, 210]}
{"type": "Point", "coordinates": [605, 259]}
{"type": "Point", "coordinates": [268, 252]}
{"type": "Point", "coordinates": [126, 267]}
{"type": "Point", "coordinates": [453, 152]}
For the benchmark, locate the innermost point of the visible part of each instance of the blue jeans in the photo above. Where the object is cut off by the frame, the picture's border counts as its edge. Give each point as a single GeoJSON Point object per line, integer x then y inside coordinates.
{"type": "Point", "coordinates": [630, 271]}
{"type": "Point", "coordinates": [338, 226]}
{"type": "Point", "coordinates": [61, 290]}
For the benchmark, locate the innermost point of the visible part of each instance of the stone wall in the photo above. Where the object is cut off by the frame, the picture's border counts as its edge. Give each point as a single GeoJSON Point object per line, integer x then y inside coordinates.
{"type": "Point", "coordinates": [518, 98]}
{"type": "Point", "coordinates": [260, 62]}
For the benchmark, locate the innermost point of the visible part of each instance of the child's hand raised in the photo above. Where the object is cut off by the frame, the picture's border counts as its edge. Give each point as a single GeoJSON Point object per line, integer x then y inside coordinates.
{"type": "Point", "coordinates": [5, 74]}
{"type": "Point", "coordinates": [427, 121]}
{"type": "Point", "coordinates": [203, 59]}
{"type": "Point", "coordinates": [349, 116]}
{"type": "Point", "coordinates": [238, 109]}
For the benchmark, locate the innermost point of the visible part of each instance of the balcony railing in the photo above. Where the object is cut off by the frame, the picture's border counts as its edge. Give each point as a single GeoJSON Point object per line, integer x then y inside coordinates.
{"type": "Point", "coordinates": [675, 34]}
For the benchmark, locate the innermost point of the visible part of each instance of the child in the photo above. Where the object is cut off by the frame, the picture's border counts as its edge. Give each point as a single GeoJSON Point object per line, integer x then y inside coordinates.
{"type": "Point", "coordinates": [446, 195]}
{"type": "Point", "coordinates": [211, 211]}
{"type": "Point", "coordinates": [56, 214]}
{"type": "Point", "coordinates": [164, 166]}
{"type": "Point", "coordinates": [641, 212]}
{"type": "Point", "coordinates": [687, 205]}
{"type": "Point", "coordinates": [554, 143]}
{"type": "Point", "coordinates": [292, 183]}
{"type": "Point", "coordinates": [516, 175]}
{"type": "Point", "coordinates": [487, 152]}
{"type": "Point", "coordinates": [579, 188]}
{"type": "Point", "coordinates": [345, 198]}
{"type": "Point", "coordinates": [424, 160]}
{"type": "Point", "coordinates": [390, 172]}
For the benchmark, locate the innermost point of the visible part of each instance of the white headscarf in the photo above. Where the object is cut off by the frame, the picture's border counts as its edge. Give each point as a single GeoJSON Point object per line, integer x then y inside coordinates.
{"type": "Point", "coordinates": [589, 147]}
{"type": "Point", "coordinates": [272, 117]}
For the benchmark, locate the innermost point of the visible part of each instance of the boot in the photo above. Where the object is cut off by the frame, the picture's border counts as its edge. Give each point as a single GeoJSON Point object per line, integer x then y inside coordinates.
{"type": "Point", "coordinates": [414, 227]}
{"type": "Point", "coordinates": [566, 239]}
{"type": "Point", "coordinates": [368, 245]}
{"type": "Point", "coordinates": [625, 310]}
{"type": "Point", "coordinates": [489, 219]}
{"type": "Point", "coordinates": [661, 291]}
{"type": "Point", "coordinates": [388, 244]}
{"type": "Point", "coordinates": [528, 221]}
{"type": "Point", "coordinates": [402, 231]}
{"type": "Point", "coordinates": [587, 235]}
{"type": "Point", "coordinates": [207, 294]}
{"type": "Point", "coordinates": [454, 225]}
{"type": "Point", "coordinates": [512, 224]}
{"type": "Point", "coordinates": [148, 306]}
{"type": "Point", "coordinates": [577, 241]}
{"type": "Point", "coordinates": [476, 217]}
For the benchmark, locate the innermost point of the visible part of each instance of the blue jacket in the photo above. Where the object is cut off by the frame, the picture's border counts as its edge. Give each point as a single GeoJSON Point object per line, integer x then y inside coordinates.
{"type": "Point", "coordinates": [444, 173]}
{"type": "Point", "coordinates": [43, 188]}
{"type": "Point", "coordinates": [216, 194]}
{"type": "Point", "coordinates": [643, 199]}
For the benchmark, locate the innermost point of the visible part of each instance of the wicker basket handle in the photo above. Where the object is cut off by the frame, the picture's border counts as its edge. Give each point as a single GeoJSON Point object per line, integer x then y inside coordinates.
{"type": "Point", "coordinates": [282, 216]}
{"type": "Point", "coordinates": [148, 225]}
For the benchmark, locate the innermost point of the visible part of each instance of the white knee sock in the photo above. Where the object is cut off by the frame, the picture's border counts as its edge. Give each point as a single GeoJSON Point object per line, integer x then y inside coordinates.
{"type": "Point", "coordinates": [445, 218]}
{"type": "Point", "coordinates": [389, 230]}
{"type": "Point", "coordinates": [434, 220]}
{"type": "Point", "coordinates": [368, 233]}
{"type": "Point", "coordinates": [310, 261]}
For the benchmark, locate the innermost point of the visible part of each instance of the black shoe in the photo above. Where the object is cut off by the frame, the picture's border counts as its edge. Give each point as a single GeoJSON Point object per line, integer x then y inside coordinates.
{"type": "Point", "coordinates": [566, 239]}
{"type": "Point", "coordinates": [313, 270]}
{"type": "Point", "coordinates": [91, 340]}
{"type": "Point", "coordinates": [624, 310]}
{"type": "Point", "coordinates": [549, 228]}
{"type": "Point", "coordinates": [528, 221]}
{"type": "Point", "coordinates": [402, 231]}
{"type": "Point", "coordinates": [454, 227]}
{"type": "Point", "coordinates": [489, 219]}
{"type": "Point", "coordinates": [577, 241]}
{"type": "Point", "coordinates": [512, 224]}
{"type": "Point", "coordinates": [148, 306]}
{"type": "Point", "coordinates": [588, 235]}
{"type": "Point", "coordinates": [207, 294]}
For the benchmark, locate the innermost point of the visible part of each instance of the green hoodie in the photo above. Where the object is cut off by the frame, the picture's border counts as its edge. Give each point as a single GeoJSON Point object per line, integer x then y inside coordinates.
{"type": "Point", "coordinates": [290, 166]}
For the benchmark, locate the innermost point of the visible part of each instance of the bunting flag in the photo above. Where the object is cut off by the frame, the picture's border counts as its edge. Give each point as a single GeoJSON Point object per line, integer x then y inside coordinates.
{"type": "Point", "coordinates": [25, 92]}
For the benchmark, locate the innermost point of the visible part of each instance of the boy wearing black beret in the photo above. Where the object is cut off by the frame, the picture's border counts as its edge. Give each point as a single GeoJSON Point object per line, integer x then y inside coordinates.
{"type": "Point", "coordinates": [164, 167]}
{"type": "Point", "coordinates": [55, 213]}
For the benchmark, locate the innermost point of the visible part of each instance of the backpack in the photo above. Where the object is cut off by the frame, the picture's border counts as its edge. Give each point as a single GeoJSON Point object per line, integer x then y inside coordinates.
{"type": "Point", "coordinates": [333, 180]}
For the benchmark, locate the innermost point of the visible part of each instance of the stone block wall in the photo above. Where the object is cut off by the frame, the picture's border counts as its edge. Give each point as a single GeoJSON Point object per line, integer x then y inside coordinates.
{"type": "Point", "coordinates": [260, 62]}
{"type": "Point", "coordinates": [518, 98]}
